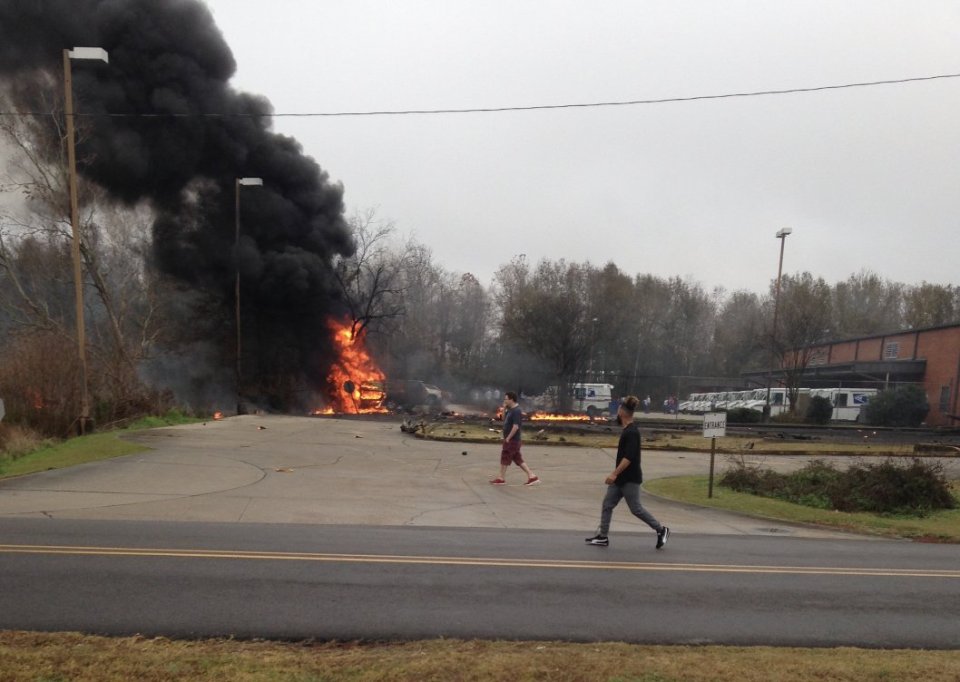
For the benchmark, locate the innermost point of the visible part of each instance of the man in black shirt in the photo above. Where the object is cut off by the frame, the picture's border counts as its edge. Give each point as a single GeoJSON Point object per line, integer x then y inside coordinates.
{"type": "Point", "coordinates": [624, 482]}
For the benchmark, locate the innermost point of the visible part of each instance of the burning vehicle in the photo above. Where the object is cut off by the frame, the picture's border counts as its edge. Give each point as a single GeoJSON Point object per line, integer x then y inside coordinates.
{"type": "Point", "coordinates": [355, 384]}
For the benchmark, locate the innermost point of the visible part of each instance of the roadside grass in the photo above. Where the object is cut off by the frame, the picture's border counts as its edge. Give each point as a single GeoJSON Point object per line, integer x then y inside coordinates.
{"type": "Point", "coordinates": [941, 526]}
{"type": "Point", "coordinates": [29, 656]}
{"type": "Point", "coordinates": [82, 449]}
{"type": "Point", "coordinates": [680, 442]}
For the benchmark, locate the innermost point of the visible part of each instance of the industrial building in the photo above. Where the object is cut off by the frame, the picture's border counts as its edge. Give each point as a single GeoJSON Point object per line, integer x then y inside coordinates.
{"type": "Point", "coordinates": [929, 357]}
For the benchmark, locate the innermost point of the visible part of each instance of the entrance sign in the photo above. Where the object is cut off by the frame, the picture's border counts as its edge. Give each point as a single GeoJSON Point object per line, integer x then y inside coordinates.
{"type": "Point", "coordinates": [715, 425]}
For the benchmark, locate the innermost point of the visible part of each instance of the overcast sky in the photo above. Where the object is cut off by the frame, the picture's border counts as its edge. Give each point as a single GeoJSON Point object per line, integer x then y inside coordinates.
{"type": "Point", "coordinates": [867, 178]}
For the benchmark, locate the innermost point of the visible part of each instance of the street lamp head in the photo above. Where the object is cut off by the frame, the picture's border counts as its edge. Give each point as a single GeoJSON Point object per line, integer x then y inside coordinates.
{"type": "Point", "coordinates": [89, 53]}
{"type": "Point", "coordinates": [784, 232]}
{"type": "Point", "coordinates": [250, 181]}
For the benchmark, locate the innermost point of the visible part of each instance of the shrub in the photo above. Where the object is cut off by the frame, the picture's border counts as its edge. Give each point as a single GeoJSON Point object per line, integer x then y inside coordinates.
{"type": "Point", "coordinates": [917, 488]}
{"type": "Point", "coordinates": [744, 415]}
{"type": "Point", "coordinates": [901, 406]}
{"type": "Point", "coordinates": [39, 382]}
{"type": "Point", "coordinates": [820, 410]}
{"type": "Point", "coordinates": [17, 441]}
{"type": "Point", "coordinates": [883, 488]}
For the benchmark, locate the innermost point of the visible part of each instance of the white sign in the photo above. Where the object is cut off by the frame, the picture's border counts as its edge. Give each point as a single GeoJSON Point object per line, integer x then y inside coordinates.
{"type": "Point", "coordinates": [715, 425]}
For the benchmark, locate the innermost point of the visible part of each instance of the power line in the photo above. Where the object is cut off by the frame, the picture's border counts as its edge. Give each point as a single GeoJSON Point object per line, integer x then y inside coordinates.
{"type": "Point", "coordinates": [491, 110]}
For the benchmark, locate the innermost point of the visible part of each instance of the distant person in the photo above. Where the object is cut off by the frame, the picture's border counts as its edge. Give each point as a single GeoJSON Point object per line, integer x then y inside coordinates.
{"type": "Point", "coordinates": [624, 482]}
{"type": "Point", "coordinates": [646, 405]}
{"type": "Point", "coordinates": [510, 453]}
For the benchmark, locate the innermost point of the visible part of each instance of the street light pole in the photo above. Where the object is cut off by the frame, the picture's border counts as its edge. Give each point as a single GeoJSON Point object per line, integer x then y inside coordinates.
{"type": "Point", "coordinates": [593, 341]}
{"type": "Point", "coordinates": [77, 53]}
{"type": "Point", "coordinates": [782, 236]}
{"type": "Point", "coordinates": [236, 255]}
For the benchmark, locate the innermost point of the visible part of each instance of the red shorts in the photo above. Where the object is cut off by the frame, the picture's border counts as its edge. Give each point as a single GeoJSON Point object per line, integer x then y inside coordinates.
{"type": "Point", "coordinates": [511, 453]}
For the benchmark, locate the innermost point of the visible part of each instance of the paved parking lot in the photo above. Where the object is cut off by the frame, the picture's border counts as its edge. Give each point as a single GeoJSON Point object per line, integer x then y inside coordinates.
{"type": "Point", "coordinates": [281, 469]}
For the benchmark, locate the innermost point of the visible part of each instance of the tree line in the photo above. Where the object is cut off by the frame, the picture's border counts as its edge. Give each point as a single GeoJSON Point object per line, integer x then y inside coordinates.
{"type": "Point", "coordinates": [556, 322]}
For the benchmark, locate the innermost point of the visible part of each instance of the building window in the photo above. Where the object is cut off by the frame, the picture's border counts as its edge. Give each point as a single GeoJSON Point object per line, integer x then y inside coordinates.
{"type": "Point", "coordinates": [891, 351]}
{"type": "Point", "coordinates": [944, 398]}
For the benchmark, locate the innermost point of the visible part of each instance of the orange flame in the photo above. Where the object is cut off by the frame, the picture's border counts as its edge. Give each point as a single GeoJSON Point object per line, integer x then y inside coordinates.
{"type": "Point", "coordinates": [355, 367]}
{"type": "Point", "coordinates": [547, 417]}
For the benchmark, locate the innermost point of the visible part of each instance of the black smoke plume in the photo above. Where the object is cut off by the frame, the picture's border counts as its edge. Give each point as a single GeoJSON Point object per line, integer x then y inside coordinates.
{"type": "Point", "coordinates": [186, 136]}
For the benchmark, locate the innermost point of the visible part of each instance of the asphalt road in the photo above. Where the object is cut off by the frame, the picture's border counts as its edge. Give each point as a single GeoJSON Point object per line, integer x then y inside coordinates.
{"type": "Point", "coordinates": [338, 529]}
{"type": "Point", "coordinates": [375, 582]}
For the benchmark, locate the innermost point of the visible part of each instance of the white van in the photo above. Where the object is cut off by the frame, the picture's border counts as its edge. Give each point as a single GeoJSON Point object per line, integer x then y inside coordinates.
{"type": "Point", "coordinates": [592, 399]}
{"type": "Point", "coordinates": [847, 402]}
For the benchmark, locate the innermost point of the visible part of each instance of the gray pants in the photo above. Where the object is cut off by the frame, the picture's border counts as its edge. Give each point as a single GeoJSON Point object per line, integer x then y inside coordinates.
{"type": "Point", "coordinates": [631, 493]}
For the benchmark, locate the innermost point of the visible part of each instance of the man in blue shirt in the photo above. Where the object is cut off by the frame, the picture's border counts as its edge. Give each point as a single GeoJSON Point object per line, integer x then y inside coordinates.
{"type": "Point", "coordinates": [510, 453]}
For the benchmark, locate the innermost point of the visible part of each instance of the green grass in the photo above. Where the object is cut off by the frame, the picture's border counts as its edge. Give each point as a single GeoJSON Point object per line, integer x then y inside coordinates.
{"type": "Point", "coordinates": [535, 434]}
{"type": "Point", "coordinates": [942, 526]}
{"type": "Point", "coordinates": [90, 448]}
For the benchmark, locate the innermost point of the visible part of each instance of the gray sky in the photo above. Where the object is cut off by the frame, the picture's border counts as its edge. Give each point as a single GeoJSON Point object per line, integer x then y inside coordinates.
{"type": "Point", "coordinates": [868, 178]}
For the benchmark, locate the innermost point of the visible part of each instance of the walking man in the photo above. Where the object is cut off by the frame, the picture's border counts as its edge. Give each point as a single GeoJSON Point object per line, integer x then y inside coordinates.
{"type": "Point", "coordinates": [512, 418]}
{"type": "Point", "coordinates": [624, 482]}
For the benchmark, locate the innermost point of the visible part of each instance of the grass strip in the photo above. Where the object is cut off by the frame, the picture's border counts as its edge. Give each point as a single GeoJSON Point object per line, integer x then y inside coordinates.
{"type": "Point", "coordinates": [941, 526]}
{"type": "Point", "coordinates": [675, 442]}
{"type": "Point", "coordinates": [82, 449]}
{"type": "Point", "coordinates": [91, 448]}
{"type": "Point", "coordinates": [57, 657]}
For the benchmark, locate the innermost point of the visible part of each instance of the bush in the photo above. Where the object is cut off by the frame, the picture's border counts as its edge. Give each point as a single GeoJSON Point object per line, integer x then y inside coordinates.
{"type": "Point", "coordinates": [901, 406]}
{"type": "Point", "coordinates": [744, 415]}
{"type": "Point", "coordinates": [17, 441]}
{"type": "Point", "coordinates": [887, 487]}
{"type": "Point", "coordinates": [820, 410]}
{"type": "Point", "coordinates": [39, 382]}
{"type": "Point", "coordinates": [882, 488]}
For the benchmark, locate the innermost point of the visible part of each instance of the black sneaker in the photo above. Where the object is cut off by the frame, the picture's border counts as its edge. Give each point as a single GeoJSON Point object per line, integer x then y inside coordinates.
{"type": "Point", "coordinates": [662, 537]}
{"type": "Point", "coordinates": [599, 540]}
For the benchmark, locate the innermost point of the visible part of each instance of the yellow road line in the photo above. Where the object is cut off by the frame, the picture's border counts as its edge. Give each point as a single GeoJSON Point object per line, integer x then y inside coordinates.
{"type": "Point", "coordinates": [473, 561]}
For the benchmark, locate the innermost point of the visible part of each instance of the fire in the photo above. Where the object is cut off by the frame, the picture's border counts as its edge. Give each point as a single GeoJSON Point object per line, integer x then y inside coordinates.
{"type": "Point", "coordinates": [356, 384]}
{"type": "Point", "coordinates": [218, 415]}
{"type": "Point", "coordinates": [547, 417]}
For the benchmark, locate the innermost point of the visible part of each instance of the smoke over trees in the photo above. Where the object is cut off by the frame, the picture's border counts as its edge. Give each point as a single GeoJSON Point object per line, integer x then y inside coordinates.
{"type": "Point", "coordinates": [162, 128]}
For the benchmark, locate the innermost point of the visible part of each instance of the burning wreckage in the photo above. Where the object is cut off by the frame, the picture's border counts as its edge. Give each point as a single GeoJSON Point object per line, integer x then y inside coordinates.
{"type": "Point", "coordinates": [357, 385]}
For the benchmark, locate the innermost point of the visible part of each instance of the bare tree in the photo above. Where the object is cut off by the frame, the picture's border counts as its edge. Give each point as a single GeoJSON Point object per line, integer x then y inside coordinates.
{"type": "Point", "coordinates": [546, 313]}
{"type": "Point", "coordinates": [866, 304]}
{"type": "Point", "coordinates": [804, 319]}
{"type": "Point", "coordinates": [371, 279]}
{"type": "Point", "coordinates": [35, 242]}
{"type": "Point", "coordinates": [738, 340]}
{"type": "Point", "coordinates": [931, 305]}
